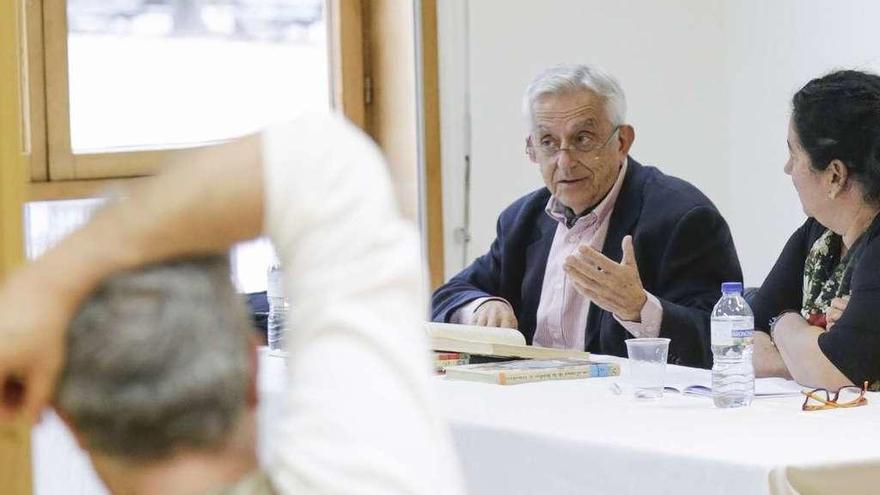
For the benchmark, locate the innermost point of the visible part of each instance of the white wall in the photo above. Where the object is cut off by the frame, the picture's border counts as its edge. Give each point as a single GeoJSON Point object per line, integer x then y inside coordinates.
{"type": "Point", "coordinates": [774, 48]}
{"type": "Point", "coordinates": [708, 84]}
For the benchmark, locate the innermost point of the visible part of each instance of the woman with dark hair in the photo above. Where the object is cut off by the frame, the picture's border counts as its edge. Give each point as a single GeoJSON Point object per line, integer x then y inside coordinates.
{"type": "Point", "coordinates": [820, 305]}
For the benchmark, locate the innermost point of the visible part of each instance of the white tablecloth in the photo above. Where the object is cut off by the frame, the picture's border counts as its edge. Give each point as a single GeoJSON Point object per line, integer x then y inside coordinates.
{"type": "Point", "coordinates": [579, 437]}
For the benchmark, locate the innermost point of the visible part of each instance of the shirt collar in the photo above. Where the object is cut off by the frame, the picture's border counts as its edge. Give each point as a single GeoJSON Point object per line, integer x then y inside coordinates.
{"type": "Point", "coordinates": [566, 216]}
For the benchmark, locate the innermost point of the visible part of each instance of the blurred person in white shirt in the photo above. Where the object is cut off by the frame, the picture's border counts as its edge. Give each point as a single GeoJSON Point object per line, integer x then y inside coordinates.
{"type": "Point", "coordinates": [360, 414]}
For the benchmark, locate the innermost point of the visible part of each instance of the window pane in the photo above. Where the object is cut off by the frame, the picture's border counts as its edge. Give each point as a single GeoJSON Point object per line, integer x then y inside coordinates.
{"type": "Point", "coordinates": [46, 222]}
{"type": "Point", "coordinates": [250, 264]}
{"type": "Point", "coordinates": [151, 73]}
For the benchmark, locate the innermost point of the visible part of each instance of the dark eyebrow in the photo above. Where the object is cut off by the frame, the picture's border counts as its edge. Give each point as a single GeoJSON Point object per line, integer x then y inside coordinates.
{"type": "Point", "coordinates": [589, 125]}
{"type": "Point", "coordinates": [591, 122]}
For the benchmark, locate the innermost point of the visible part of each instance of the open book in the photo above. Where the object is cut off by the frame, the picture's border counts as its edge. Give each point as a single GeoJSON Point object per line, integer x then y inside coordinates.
{"type": "Point", "coordinates": [531, 370]}
{"type": "Point", "coordinates": [764, 388]}
{"type": "Point", "coordinates": [488, 341]}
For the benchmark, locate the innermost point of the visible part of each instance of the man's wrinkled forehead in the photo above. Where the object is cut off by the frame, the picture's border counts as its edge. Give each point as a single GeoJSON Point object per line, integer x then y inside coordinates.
{"type": "Point", "coordinates": [568, 111]}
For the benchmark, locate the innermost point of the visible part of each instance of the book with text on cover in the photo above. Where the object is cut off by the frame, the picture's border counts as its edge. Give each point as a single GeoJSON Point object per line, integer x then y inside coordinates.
{"type": "Point", "coordinates": [444, 359]}
{"type": "Point", "coordinates": [532, 370]}
{"type": "Point", "coordinates": [490, 341]}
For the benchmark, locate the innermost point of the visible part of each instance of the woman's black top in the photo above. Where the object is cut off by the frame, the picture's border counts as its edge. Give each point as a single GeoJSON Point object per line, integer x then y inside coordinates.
{"type": "Point", "coordinates": [853, 343]}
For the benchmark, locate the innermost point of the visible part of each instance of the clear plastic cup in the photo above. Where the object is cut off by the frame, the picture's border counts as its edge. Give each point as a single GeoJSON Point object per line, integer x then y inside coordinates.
{"type": "Point", "coordinates": [647, 366]}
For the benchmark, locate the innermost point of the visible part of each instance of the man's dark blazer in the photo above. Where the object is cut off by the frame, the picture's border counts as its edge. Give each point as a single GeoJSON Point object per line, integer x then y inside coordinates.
{"type": "Point", "coordinates": [682, 245]}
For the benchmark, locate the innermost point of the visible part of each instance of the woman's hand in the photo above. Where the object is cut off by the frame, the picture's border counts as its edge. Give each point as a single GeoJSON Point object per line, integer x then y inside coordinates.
{"type": "Point", "coordinates": [835, 311]}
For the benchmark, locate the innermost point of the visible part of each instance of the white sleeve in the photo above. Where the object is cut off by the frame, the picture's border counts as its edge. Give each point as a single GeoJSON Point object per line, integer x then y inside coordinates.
{"type": "Point", "coordinates": [360, 415]}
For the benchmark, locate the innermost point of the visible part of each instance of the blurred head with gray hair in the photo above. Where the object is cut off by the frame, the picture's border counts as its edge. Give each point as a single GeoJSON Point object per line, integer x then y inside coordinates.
{"type": "Point", "coordinates": [160, 365]}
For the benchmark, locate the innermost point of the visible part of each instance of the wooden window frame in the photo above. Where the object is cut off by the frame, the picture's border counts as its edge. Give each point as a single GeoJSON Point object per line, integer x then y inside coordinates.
{"type": "Point", "coordinates": [383, 76]}
{"type": "Point", "coordinates": [16, 148]}
{"type": "Point", "coordinates": [432, 172]}
{"type": "Point", "coordinates": [50, 109]}
{"type": "Point", "coordinates": [404, 112]}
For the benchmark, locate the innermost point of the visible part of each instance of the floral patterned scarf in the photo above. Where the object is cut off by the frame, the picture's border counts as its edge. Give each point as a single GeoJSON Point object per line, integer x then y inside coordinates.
{"type": "Point", "coordinates": [827, 275]}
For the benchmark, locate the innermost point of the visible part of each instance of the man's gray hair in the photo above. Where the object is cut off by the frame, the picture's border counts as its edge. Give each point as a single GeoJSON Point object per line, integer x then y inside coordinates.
{"type": "Point", "coordinates": [567, 78]}
{"type": "Point", "coordinates": [158, 359]}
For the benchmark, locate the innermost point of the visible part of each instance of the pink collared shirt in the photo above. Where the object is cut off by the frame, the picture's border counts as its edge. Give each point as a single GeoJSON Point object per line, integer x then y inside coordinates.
{"type": "Point", "coordinates": [562, 311]}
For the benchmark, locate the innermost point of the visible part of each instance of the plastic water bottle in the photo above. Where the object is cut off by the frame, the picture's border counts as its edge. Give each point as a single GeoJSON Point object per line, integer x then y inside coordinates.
{"type": "Point", "coordinates": [278, 307]}
{"type": "Point", "coordinates": [733, 326]}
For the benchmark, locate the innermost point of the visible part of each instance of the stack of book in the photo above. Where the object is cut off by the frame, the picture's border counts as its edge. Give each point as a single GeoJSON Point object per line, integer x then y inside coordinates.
{"type": "Point", "coordinates": [495, 342]}
{"type": "Point", "coordinates": [532, 370]}
{"type": "Point", "coordinates": [500, 355]}
{"type": "Point", "coordinates": [444, 359]}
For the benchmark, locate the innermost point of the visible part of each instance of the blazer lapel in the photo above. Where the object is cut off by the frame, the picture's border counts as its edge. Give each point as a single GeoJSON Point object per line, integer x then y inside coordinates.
{"type": "Point", "coordinates": [624, 217]}
{"type": "Point", "coordinates": [537, 251]}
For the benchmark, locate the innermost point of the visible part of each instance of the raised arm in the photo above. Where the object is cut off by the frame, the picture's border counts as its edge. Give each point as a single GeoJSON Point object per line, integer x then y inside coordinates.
{"type": "Point", "coordinates": [202, 206]}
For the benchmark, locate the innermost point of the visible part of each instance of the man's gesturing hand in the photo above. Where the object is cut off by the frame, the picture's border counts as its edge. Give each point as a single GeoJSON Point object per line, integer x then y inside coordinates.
{"type": "Point", "coordinates": [614, 287]}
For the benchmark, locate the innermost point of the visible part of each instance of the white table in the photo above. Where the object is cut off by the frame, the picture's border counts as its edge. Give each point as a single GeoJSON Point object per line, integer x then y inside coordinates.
{"type": "Point", "coordinates": [579, 437]}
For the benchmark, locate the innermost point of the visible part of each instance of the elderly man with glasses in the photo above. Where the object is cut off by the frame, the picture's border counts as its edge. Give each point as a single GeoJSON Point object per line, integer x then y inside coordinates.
{"type": "Point", "coordinates": [609, 250]}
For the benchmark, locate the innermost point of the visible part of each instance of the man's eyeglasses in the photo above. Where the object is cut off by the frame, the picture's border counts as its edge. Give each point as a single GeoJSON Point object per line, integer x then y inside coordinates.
{"type": "Point", "coordinates": [583, 142]}
{"type": "Point", "coordinates": [820, 398]}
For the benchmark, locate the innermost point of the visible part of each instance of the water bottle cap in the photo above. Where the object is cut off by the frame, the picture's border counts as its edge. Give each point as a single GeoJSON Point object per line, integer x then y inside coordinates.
{"type": "Point", "coordinates": [731, 287]}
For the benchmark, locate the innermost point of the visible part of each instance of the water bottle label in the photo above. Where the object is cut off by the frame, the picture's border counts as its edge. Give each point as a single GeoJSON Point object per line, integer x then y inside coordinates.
{"type": "Point", "coordinates": [743, 331]}
{"type": "Point", "coordinates": [722, 333]}
{"type": "Point", "coordinates": [725, 333]}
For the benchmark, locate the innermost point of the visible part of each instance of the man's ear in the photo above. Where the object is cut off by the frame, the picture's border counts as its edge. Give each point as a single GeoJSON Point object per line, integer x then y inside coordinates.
{"type": "Point", "coordinates": [626, 135]}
